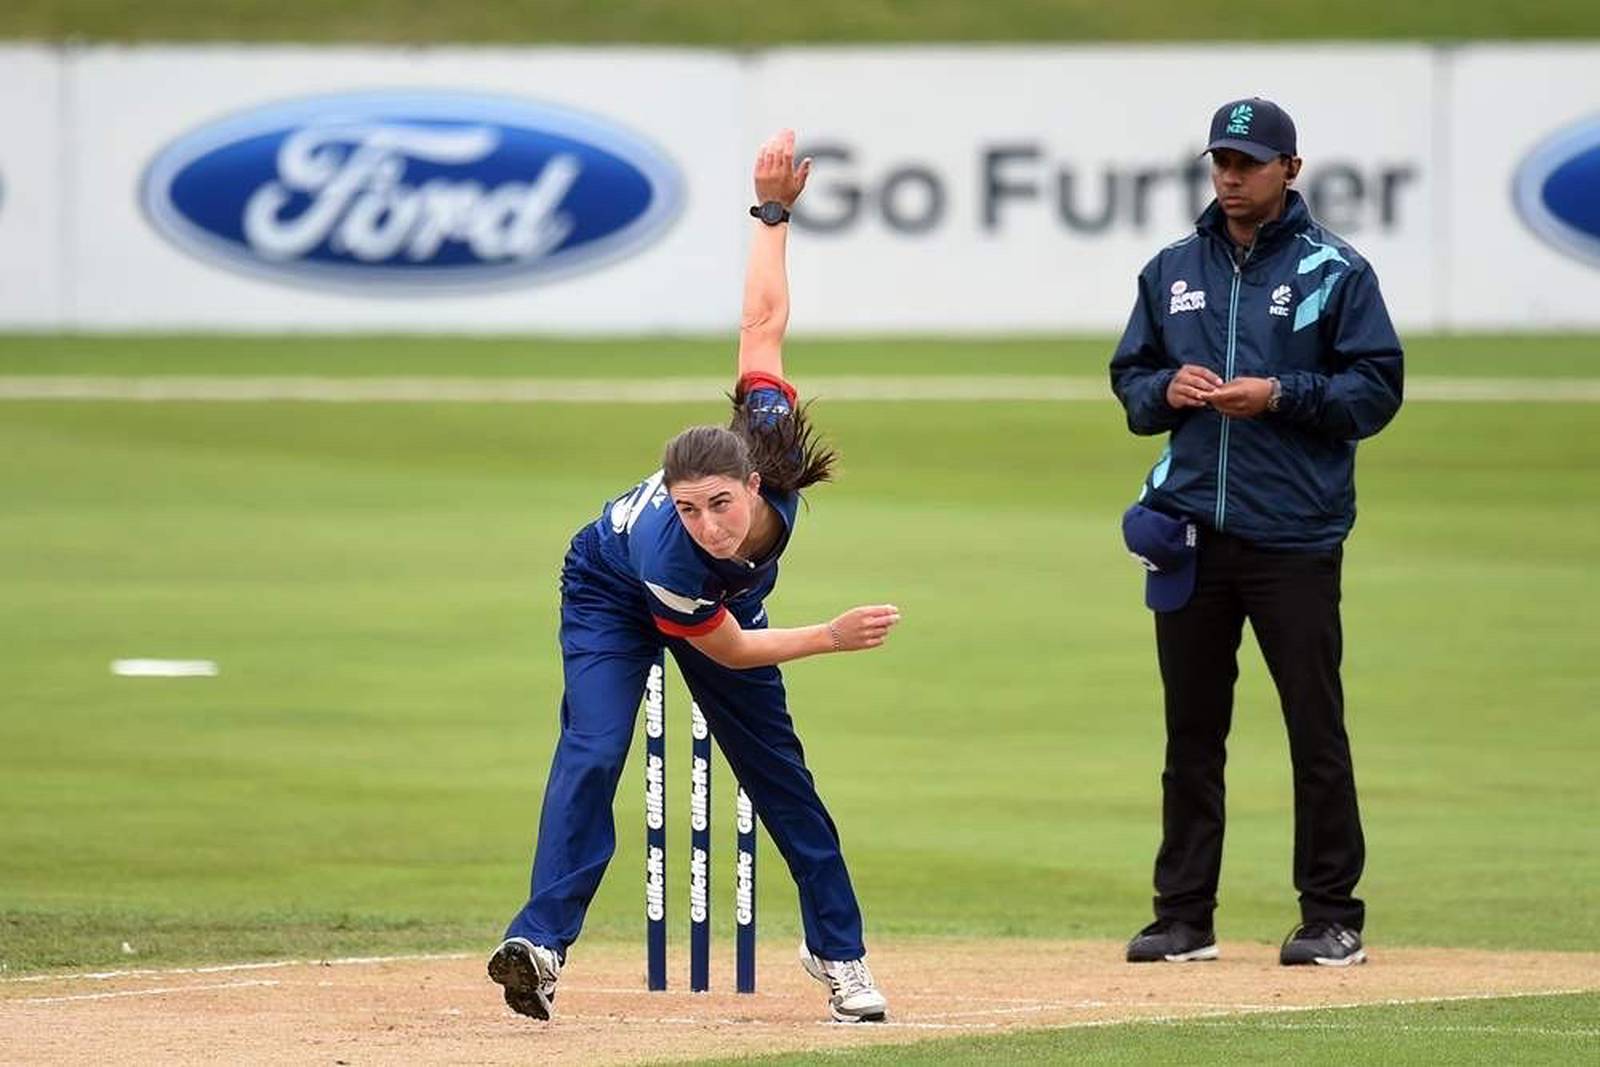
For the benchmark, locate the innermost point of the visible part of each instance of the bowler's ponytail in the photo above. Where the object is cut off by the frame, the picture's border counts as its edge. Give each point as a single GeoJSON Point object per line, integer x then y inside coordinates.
{"type": "Point", "coordinates": [779, 442]}
{"type": "Point", "coordinates": [783, 445]}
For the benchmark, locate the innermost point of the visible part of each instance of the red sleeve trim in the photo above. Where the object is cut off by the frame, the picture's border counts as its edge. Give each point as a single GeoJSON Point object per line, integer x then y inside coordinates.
{"type": "Point", "coordinates": [757, 379]}
{"type": "Point", "coordinates": [699, 629]}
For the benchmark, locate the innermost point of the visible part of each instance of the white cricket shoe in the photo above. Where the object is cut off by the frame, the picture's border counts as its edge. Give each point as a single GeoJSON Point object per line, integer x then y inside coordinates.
{"type": "Point", "coordinates": [528, 972]}
{"type": "Point", "coordinates": [855, 996]}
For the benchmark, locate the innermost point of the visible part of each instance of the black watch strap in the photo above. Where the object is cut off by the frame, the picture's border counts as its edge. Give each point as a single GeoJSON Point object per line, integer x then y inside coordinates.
{"type": "Point", "coordinates": [770, 212]}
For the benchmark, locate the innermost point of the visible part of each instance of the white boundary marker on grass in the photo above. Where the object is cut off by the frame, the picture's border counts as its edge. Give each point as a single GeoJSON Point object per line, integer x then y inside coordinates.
{"type": "Point", "coordinates": [691, 390]}
{"type": "Point", "coordinates": [164, 668]}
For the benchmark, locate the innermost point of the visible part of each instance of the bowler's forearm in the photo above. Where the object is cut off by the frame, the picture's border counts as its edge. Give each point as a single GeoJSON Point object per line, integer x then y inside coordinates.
{"type": "Point", "coordinates": [739, 649]}
{"type": "Point", "coordinates": [765, 315]}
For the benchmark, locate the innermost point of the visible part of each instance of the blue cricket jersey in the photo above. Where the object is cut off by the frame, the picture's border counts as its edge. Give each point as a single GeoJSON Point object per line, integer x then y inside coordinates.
{"type": "Point", "coordinates": [686, 588]}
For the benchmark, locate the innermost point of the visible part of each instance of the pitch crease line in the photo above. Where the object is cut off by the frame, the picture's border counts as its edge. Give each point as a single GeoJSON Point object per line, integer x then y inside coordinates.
{"type": "Point", "coordinates": [164, 991]}
{"type": "Point", "coordinates": [1030, 1009]}
{"type": "Point", "coordinates": [226, 968]}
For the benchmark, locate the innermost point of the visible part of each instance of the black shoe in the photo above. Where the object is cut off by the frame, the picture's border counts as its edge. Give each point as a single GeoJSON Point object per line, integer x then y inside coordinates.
{"type": "Point", "coordinates": [1324, 943]}
{"type": "Point", "coordinates": [529, 974]}
{"type": "Point", "coordinates": [1171, 941]}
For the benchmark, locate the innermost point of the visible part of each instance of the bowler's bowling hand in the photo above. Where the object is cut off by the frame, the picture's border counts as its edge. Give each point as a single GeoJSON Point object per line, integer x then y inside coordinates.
{"type": "Point", "coordinates": [777, 177]}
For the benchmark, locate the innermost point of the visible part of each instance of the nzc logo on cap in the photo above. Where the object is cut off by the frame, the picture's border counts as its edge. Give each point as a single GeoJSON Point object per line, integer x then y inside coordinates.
{"type": "Point", "coordinates": [407, 192]}
{"type": "Point", "coordinates": [1554, 190]}
{"type": "Point", "coordinates": [1239, 119]}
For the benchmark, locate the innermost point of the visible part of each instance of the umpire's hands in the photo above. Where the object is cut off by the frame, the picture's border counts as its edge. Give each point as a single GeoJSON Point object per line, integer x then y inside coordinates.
{"type": "Point", "coordinates": [777, 178]}
{"type": "Point", "coordinates": [1192, 386]}
{"type": "Point", "coordinates": [1243, 398]}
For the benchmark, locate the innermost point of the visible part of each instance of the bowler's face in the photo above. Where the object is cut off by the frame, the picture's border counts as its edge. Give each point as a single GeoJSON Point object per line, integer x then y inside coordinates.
{"type": "Point", "coordinates": [717, 511]}
{"type": "Point", "coordinates": [1248, 190]}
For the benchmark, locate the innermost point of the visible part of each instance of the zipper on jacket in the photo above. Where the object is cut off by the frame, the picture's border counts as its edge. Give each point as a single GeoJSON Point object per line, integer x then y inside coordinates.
{"type": "Point", "coordinates": [1228, 366]}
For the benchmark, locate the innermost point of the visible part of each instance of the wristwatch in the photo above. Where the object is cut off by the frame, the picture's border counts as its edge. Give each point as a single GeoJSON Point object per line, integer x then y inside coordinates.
{"type": "Point", "coordinates": [770, 212]}
{"type": "Point", "coordinates": [1276, 396]}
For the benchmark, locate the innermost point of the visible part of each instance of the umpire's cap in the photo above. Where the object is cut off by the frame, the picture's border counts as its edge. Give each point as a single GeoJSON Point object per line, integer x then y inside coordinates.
{"type": "Point", "coordinates": [1167, 549]}
{"type": "Point", "coordinates": [1258, 128]}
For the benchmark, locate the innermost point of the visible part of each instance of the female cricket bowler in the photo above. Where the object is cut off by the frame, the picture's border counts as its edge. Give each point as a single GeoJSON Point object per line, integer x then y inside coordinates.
{"type": "Point", "coordinates": [684, 560]}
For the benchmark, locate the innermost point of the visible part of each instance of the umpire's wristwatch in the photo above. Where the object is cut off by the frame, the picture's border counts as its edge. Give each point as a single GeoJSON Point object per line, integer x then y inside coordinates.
{"type": "Point", "coordinates": [1275, 398]}
{"type": "Point", "coordinates": [770, 212]}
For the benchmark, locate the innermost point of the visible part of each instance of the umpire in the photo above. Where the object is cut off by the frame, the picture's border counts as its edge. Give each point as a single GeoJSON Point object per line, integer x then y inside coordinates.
{"type": "Point", "coordinates": [1261, 346]}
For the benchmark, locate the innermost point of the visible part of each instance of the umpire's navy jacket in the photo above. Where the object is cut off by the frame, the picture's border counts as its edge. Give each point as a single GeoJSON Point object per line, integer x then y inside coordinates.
{"type": "Point", "coordinates": [1300, 306]}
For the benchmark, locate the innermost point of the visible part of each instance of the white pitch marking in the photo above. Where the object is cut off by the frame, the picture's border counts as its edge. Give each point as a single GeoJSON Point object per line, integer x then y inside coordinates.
{"type": "Point", "coordinates": [164, 991]}
{"type": "Point", "coordinates": [364, 961]}
{"type": "Point", "coordinates": [1026, 1010]}
{"type": "Point", "coordinates": [225, 968]}
{"type": "Point", "coordinates": [944, 994]}
{"type": "Point", "coordinates": [897, 1024]}
{"type": "Point", "coordinates": [661, 1020]}
{"type": "Point", "coordinates": [959, 388]}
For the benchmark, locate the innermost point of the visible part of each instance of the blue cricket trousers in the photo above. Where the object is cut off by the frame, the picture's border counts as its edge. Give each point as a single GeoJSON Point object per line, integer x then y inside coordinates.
{"type": "Point", "coordinates": [608, 643]}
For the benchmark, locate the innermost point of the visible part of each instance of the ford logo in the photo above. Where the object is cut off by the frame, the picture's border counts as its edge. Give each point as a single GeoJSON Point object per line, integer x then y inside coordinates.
{"type": "Point", "coordinates": [404, 192]}
{"type": "Point", "coordinates": [1557, 190]}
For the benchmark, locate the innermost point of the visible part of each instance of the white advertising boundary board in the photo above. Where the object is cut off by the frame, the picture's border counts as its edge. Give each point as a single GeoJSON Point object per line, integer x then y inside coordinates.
{"type": "Point", "coordinates": [129, 275]}
{"type": "Point", "coordinates": [34, 189]}
{"type": "Point", "coordinates": [601, 191]}
{"type": "Point", "coordinates": [974, 189]}
{"type": "Point", "coordinates": [1504, 269]}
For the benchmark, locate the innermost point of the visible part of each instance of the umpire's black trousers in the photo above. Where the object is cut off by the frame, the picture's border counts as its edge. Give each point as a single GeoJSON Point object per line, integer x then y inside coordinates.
{"type": "Point", "coordinates": [1292, 602]}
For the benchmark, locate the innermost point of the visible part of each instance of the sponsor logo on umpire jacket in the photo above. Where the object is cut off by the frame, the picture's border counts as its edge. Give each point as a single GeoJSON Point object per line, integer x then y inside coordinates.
{"type": "Point", "coordinates": [1186, 299]}
{"type": "Point", "coordinates": [1554, 190]}
{"type": "Point", "coordinates": [407, 192]}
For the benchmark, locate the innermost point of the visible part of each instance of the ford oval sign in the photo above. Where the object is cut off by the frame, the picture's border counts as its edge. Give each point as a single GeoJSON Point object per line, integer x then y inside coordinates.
{"type": "Point", "coordinates": [407, 192]}
{"type": "Point", "coordinates": [1557, 190]}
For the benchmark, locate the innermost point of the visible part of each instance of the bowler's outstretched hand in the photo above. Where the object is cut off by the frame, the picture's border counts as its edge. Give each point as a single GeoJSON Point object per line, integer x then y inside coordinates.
{"type": "Point", "coordinates": [864, 627]}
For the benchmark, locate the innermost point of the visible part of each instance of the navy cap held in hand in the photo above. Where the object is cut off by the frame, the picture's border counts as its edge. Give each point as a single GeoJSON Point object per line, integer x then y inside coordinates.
{"type": "Point", "coordinates": [1167, 548]}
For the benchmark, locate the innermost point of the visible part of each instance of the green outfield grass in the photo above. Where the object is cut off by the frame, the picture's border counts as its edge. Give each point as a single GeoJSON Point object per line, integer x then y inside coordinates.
{"type": "Point", "coordinates": [748, 22]}
{"type": "Point", "coordinates": [378, 585]}
{"type": "Point", "coordinates": [1521, 1030]}
{"type": "Point", "coordinates": [1472, 355]}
